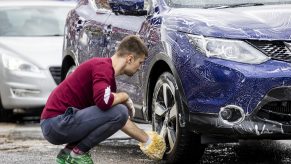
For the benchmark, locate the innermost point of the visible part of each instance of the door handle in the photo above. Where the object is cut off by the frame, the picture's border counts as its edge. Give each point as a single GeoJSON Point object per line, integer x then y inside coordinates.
{"type": "Point", "coordinates": [79, 24]}
{"type": "Point", "coordinates": [108, 29]}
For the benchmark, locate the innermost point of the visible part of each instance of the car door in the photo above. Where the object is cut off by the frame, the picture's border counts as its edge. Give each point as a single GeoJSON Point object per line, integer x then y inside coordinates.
{"type": "Point", "coordinates": [92, 39]}
{"type": "Point", "coordinates": [120, 27]}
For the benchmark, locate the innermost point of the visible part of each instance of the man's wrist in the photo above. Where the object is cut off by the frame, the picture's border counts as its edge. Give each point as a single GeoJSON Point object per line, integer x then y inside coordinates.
{"type": "Point", "coordinates": [120, 97]}
{"type": "Point", "coordinates": [125, 96]}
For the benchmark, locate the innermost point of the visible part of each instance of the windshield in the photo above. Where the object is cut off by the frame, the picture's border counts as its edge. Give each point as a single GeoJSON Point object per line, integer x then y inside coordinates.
{"type": "Point", "coordinates": [33, 21]}
{"type": "Point", "coordinates": [217, 3]}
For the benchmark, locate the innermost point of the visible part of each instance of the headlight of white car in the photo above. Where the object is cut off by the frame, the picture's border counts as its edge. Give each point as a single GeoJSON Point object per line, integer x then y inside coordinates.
{"type": "Point", "coordinates": [234, 50]}
{"type": "Point", "coordinates": [16, 64]}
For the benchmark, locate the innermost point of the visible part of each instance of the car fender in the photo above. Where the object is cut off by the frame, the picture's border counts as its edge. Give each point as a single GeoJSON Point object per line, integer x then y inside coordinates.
{"type": "Point", "coordinates": [69, 59]}
{"type": "Point", "coordinates": [162, 57]}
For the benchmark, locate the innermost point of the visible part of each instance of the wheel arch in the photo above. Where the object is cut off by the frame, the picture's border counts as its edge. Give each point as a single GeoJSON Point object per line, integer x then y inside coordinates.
{"type": "Point", "coordinates": [67, 62]}
{"type": "Point", "coordinates": [160, 64]}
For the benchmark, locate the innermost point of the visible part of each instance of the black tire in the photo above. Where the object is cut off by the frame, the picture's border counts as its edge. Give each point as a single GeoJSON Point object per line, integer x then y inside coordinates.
{"type": "Point", "coordinates": [5, 115]}
{"type": "Point", "coordinates": [182, 145]}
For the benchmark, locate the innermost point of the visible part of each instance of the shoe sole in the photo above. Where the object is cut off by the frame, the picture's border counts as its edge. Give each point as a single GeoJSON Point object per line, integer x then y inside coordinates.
{"type": "Point", "coordinates": [60, 161]}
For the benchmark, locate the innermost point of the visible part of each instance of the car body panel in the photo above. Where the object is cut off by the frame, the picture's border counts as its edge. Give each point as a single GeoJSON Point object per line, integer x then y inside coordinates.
{"type": "Point", "coordinates": [30, 82]}
{"type": "Point", "coordinates": [132, 85]}
{"type": "Point", "coordinates": [81, 30]}
{"type": "Point", "coordinates": [32, 48]}
{"type": "Point", "coordinates": [268, 22]}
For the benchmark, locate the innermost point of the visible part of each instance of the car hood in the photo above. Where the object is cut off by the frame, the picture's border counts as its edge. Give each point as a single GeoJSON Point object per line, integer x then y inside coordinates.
{"type": "Point", "coordinates": [41, 51]}
{"type": "Point", "coordinates": [270, 22]}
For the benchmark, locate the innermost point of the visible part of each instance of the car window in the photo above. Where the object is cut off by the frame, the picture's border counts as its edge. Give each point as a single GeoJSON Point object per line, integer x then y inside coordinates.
{"type": "Point", "coordinates": [102, 4]}
{"type": "Point", "coordinates": [213, 3]}
{"type": "Point", "coordinates": [33, 21]}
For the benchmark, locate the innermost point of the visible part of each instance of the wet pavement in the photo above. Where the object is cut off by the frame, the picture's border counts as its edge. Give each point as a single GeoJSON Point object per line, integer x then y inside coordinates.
{"type": "Point", "coordinates": [24, 144]}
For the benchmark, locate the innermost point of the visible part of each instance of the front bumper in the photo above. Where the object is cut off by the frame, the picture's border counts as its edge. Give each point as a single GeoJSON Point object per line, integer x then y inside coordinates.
{"type": "Point", "coordinates": [24, 90]}
{"type": "Point", "coordinates": [269, 120]}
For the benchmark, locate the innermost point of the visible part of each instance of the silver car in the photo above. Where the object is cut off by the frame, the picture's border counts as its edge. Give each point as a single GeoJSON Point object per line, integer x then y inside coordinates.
{"type": "Point", "coordinates": [31, 39]}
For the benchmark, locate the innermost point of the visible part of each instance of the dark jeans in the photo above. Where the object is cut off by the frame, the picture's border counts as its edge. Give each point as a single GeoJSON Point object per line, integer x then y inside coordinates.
{"type": "Point", "coordinates": [84, 128]}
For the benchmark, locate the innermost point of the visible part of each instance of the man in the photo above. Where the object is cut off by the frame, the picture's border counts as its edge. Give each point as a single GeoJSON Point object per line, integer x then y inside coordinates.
{"type": "Point", "coordinates": [85, 108]}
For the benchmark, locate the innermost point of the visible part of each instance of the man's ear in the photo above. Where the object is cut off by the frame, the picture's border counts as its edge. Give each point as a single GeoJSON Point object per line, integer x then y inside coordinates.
{"type": "Point", "coordinates": [129, 58]}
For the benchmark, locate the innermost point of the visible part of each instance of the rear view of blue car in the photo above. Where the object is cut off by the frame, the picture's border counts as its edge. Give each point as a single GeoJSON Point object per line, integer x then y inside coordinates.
{"type": "Point", "coordinates": [217, 71]}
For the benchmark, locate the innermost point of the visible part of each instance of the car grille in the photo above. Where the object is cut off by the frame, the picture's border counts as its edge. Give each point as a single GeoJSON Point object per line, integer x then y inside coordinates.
{"type": "Point", "coordinates": [56, 73]}
{"type": "Point", "coordinates": [279, 111]}
{"type": "Point", "coordinates": [277, 50]}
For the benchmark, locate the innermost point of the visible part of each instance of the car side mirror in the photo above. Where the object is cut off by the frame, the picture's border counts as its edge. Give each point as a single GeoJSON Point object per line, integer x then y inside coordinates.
{"type": "Point", "coordinates": [128, 7]}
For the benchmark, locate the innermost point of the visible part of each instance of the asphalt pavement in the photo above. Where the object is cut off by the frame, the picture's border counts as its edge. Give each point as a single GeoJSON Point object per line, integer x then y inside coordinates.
{"type": "Point", "coordinates": [24, 144]}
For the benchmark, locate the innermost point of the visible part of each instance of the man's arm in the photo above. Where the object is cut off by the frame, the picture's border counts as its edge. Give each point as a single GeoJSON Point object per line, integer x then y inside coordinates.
{"type": "Point", "coordinates": [130, 128]}
{"type": "Point", "coordinates": [119, 98]}
{"type": "Point", "coordinates": [135, 132]}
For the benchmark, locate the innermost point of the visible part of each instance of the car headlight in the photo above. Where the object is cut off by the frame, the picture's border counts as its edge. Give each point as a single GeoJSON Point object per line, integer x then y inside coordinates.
{"type": "Point", "coordinates": [234, 50]}
{"type": "Point", "coordinates": [16, 64]}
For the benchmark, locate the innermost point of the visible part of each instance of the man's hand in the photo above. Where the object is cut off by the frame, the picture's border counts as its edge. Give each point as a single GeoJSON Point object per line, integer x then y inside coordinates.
{"type": "Point", "coordinates": [151, 143]}
{"type": "Point", "coordinates": [131, 109]}
{"type": "Point", "coordinates": [156, 146]}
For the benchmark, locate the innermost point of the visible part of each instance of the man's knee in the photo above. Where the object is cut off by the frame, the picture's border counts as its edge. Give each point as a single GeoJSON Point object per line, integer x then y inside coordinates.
{"type": "Point", "coordinates": [122, 113]}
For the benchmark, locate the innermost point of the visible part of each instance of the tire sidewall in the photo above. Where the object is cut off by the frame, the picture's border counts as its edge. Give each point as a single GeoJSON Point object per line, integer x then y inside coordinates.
{"type": "Point", "coordinates": [70, 70]}
{"type": "Point", "coordinates": [169, 79]}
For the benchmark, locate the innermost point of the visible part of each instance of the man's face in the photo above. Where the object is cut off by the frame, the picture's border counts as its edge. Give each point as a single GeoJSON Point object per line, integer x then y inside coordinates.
{"type": "Point", "coordinates": [133, 64]}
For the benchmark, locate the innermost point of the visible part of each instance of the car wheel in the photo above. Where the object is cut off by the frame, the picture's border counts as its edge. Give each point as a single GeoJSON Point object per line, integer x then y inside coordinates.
{"type": "Point", "coordinates": [70, 70]}
{"type": "Point", "coordinates": [5, 115]}
{"type": "Point", "coordinates": [182, 145]}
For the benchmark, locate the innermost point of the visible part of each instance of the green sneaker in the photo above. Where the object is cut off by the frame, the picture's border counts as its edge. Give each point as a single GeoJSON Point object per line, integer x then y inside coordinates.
{"type": "Point", "coordinates": [80, 159]}
{"type": "Point", "coordinates": [62, 156]}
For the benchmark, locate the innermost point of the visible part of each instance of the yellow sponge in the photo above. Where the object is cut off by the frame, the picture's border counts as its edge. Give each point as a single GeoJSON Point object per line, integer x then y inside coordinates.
{"type": "Point", "coordinates": [156, 149]}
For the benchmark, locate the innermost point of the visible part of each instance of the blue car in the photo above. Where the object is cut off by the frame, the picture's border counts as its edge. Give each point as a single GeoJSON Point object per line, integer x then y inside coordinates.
{"type": "Point", "coordinates": [217, 71]}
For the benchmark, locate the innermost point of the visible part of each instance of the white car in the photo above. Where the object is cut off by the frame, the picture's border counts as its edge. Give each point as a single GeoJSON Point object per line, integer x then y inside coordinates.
{"type": "Point", "coordinates": [31, 39]}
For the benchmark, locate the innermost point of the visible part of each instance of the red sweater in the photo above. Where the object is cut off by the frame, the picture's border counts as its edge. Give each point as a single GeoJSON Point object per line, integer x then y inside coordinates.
{"type": "Point", "coordinates": [92, 83]}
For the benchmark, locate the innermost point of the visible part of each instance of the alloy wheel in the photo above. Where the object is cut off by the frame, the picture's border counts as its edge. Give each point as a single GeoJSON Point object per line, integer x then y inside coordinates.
{"type": "Point", "coordinates": [165, 112]}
